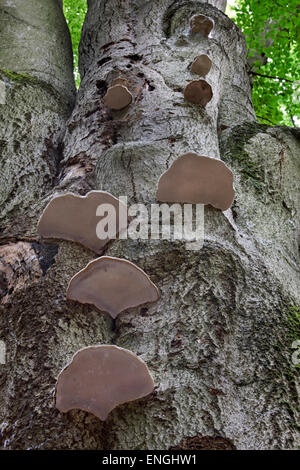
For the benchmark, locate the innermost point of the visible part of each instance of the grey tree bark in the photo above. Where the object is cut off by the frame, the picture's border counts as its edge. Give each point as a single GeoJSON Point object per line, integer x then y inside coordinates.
{"type": "Point", "coordinates": [218, 343]}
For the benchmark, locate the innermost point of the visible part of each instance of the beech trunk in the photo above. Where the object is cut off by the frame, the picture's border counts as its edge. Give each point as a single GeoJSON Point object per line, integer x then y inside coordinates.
{"type": "Point", "coordinates": [218, 343]}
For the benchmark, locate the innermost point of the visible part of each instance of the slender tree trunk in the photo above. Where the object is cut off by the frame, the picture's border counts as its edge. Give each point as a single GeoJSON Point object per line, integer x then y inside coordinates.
{"type": "Point", "coordinates": [218, 343]}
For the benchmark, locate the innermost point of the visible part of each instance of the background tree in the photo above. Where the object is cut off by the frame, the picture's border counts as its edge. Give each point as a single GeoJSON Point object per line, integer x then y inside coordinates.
{"type": "Point", "coordinates": [218, 343]}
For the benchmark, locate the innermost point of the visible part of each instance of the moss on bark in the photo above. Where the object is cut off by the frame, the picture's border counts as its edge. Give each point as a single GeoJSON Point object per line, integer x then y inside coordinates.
{"type": "Point", "coordinates": [235, 152]}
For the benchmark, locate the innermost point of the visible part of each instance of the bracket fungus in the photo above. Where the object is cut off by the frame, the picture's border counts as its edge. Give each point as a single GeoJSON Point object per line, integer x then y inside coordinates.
{"type": "Point", "coordinates": [201, 65]}
{"type": "Point", "coordinates": [76, 218]}
{"type": "Point", "coordinates": [118, 96]}
{"type": "Point", "coordinates": [120, 81]}
{"type": "Point", "coordinates": [201, 24]}
{"type": "Point", "coordinates": [99, 378]}
{"type": "Point", "coordinates": [112, 285]}
{"type": "Point", "coordinates": [198, 92]}
{"type": "Point", "coordinates": [197, 180]}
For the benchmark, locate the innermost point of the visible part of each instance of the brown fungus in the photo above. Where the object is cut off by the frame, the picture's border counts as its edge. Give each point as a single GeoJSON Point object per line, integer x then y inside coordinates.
{"type": "Point", "coordinates": [201, 65]}
{"type": "Point", "coordinates": [198, 92]}
{"type": "Point", "coordinates": [117, 97]}
{"type": "Point", "coordinates": [197, 180]}
{"type": "Point", "coordinates": [201, 24]}
{"type": "Point", "coordinates": [99, 378]}
{"type": "Point", "coordinates": [112, 285]}
{"type": "Point", "coordinates": [120, 81]}
{"type": "Point", "coordinates": [74, 218]}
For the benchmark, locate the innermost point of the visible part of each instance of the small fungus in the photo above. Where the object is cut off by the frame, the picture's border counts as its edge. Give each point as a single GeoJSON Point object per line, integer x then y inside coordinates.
{"type": "Point", "coordinates": [120, 81]}
{"type": "Point", "coordinates": [197, 180]}
{"type": "Point", "coordinates": [201, 24]}
{"type": "Point", "coordinates": [112, 285]}
{"type": "Point", "coordinates": [201, 65]}
{"type": "Point", "coordinates": [117, 97]}
{"type": "Point", "coordinates": [198, 92]}
{"type": "Point", "coordinates": [75, 218]}
{"type": "Point", "coordinates": [99, 378]}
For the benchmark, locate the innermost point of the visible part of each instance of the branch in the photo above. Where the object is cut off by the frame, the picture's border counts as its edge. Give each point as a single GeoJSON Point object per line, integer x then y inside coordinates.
{"type": "Point", "coordinates": [270, 76]}
{"type": "Point", "coordinates": [292, 119]}
{"type": "Point", "coordinates": [265, 119]}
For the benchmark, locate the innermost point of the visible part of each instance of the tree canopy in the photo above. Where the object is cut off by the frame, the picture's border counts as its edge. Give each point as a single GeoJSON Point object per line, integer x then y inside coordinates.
{"type": "Point", "coordinates": [75, 11]}
{"type": "Point", "coordinates": [272, 30]}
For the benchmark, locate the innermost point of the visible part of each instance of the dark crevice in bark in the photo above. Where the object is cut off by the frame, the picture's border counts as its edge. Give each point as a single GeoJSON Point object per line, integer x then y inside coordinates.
{"type": "Point", "coordinates": [46, 253]}
{"type": "Point", "coordinates": [104, 61]}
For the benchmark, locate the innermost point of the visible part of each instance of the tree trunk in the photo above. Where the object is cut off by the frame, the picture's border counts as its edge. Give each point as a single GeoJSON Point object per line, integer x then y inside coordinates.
{"type": "Point", "coordinates": [218, 343]}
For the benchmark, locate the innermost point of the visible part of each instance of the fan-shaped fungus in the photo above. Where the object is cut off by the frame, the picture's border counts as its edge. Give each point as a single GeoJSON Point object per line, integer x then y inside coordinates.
{"type": "Point", "coordinates": [197, 180]}
{"type": "Point", "coordinates": [201, 24]}
{"type": "Point", "coordinates": [201, 65]}
{"type": "Point", "coordinates": [198, 92]}
{"type": "Point", "coordinates": [120, 81]}
{"type": "Point", "coordinates": [112, 285]}
{"type": "Point", "coordinates": [117, 97]}
{"type": "Point", "coordinates": [99, 378]}
{"type": "Point", "coordinates": [72, 217]}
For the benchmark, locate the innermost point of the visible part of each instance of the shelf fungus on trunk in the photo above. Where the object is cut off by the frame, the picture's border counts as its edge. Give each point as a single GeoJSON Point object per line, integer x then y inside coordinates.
{"type": "Point", "coordinates": [198, 92]}
{"type": "Point", "coordinates": [91, 220]}
{"type": "Point", "coordinates": [197, 180]}
{"type": "Point", "coordinates": [99, 378]}
{"type": "Point", "coordinates": [201, 24]}
{"type": "Point", "coordinates": [118, 96]}
{"type": "Point", "coordinates": [112, 285]}
{"type": "Point", "coordinates": [201, 65]}
{"type": "Point", "coordinates": [120, 81]}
